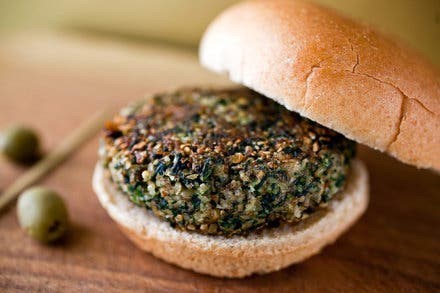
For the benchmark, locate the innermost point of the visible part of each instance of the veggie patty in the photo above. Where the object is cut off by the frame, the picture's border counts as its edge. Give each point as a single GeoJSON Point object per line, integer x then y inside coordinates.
{"type": "Point", "coordinates": [223, 162]}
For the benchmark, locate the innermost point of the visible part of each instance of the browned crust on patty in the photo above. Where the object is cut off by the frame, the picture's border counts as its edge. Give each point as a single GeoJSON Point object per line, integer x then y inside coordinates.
{"type": "Point", "coordinates": [223, 161]}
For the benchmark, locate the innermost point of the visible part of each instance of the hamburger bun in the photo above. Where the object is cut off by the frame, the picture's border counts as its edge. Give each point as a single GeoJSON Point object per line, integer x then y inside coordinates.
{"type": "Point", "coordinates": [236, 256]}
{"type": "Point", "coordinates": [334, 71]}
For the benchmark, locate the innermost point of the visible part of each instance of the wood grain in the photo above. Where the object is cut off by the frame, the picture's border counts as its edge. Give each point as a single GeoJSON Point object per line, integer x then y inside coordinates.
{"type": "Point", "coordinates": [54, 82]}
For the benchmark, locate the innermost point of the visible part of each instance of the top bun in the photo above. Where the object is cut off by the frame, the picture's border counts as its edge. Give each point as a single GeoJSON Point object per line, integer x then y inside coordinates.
{"type": "Point", "coordinates": [334, 71]}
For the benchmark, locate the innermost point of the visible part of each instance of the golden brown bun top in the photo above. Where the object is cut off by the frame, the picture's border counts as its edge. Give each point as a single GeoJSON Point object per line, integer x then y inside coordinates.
{"type": "Point", "coordinates": [334, 71]}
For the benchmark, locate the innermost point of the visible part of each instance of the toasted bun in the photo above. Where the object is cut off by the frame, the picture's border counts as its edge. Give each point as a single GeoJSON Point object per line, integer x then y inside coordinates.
{"type": "Point", "coordinates": [237, 256]}
{"type": "Point", "coordinates": [334, 71]}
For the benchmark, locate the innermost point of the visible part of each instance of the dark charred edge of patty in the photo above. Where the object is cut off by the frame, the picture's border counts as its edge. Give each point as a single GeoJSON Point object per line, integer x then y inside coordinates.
{"type": "Point", "coordinates": [223, 162]}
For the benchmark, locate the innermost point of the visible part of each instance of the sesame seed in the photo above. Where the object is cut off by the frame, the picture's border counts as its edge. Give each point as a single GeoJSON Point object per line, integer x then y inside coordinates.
{"type": "Point", "coordinates": [187, 150]}
{"type": "Point", "coordinates": [315, 147]}
{"type": "Point", "coordinates": [260, 174]}
{"type": "Point", "coordinates": [192, 176]}
{"type": "Point", "coordinates": [139, 145]}
{"type": "Point", "coordinates": [237, 158]}
{"type": "Point", "coordinates": [146, 175]}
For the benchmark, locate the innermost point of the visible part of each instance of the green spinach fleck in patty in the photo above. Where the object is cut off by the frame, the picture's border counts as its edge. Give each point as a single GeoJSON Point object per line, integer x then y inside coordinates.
{"type": "Point", "coordinates": [223, 162]}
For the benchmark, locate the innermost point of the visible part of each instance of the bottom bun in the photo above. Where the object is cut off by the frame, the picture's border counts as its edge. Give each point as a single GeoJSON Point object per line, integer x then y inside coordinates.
{"type": "Point", "coordinates": [238, 256]}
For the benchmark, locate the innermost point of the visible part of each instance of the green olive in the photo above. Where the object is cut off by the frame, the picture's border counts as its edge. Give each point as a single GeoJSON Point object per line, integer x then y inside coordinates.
{"type": "Point", "coordinates": [42, 214]}
{"type": "Point", "coordinates": [19, 144]}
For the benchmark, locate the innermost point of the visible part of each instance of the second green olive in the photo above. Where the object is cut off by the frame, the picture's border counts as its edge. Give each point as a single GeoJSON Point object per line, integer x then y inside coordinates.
{"type": "Point", "coordinates": [19, 144]}
{"type": "Point", "coordinates": [42, 214]}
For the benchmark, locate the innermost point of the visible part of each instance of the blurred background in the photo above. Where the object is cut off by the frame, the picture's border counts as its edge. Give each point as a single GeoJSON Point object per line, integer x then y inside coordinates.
{"type": "Point", "coordinates": [181, 22]}
{"type": "Point", "coordinates": [62, 61]}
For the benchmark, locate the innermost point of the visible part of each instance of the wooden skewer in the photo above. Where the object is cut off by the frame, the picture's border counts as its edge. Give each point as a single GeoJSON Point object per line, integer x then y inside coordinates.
{"type": "Point", "coordinates": [55, 158]}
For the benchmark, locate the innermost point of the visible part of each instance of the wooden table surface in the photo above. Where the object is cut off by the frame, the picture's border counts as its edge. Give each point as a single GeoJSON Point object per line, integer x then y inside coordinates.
{"type": "Point", "coordinates": [53, 82]}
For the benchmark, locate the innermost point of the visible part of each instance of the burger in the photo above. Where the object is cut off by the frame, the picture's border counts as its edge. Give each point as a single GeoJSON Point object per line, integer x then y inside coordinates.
{"type": "Point", "coordinates": [235, 181]}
